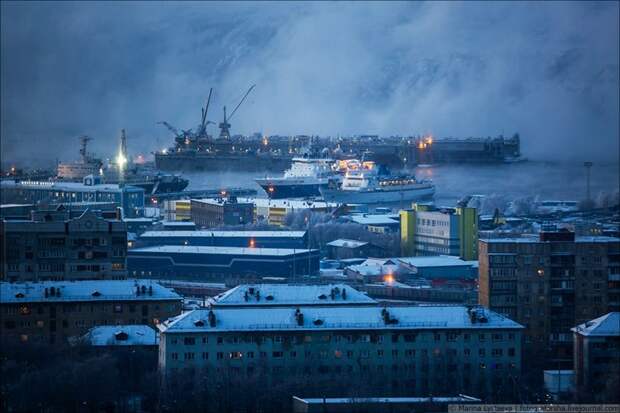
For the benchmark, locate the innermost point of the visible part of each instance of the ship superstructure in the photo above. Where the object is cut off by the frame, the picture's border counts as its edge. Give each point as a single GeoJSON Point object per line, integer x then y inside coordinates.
{"type": "Point", "coordinates": [364, 184]}
{"type": "Point", "coordinates": [88, 164]}
{"type": "Point", "coordinates": [302, 180]}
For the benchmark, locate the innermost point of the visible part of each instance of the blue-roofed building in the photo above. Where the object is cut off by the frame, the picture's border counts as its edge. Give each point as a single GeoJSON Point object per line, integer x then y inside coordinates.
{"type": "Point", "coordinates": [256, 239]}
{"type": "Point", "coordinates": [129, 198]}
{"type": "Point", "coordinates": [221, 263]}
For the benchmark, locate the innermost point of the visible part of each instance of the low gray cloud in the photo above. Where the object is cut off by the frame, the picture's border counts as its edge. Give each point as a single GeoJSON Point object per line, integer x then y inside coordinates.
{"type": "Point", "coordinates": [547, 70]}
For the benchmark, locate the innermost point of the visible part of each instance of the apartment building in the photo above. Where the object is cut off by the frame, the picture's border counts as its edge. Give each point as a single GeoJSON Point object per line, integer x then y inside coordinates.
{"type": "Point", "coordinates": [417, 350]}
{"type": "Point", "coordinates": [427, 230]}
{"type": "Point", "coordinates": [549, 284]}
{"type": "Point", "coordinates": [60, 245]}
{"type": "Point", "coordinates": [597, 357]}
{"type": "Point", "coordinates": [51, 312]}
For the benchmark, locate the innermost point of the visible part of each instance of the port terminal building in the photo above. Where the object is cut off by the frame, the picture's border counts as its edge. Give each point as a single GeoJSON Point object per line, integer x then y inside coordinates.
{"type": "Point", "coordinates": [207, 263]}
{"type": "Point", "coordinates": [129, 198]}
{"type": "Point", "coordinates": [242, 239]}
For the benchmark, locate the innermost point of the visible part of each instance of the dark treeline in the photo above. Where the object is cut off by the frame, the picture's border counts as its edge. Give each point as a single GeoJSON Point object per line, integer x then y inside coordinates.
{"type": "Point", "coordinates": [40, 378]}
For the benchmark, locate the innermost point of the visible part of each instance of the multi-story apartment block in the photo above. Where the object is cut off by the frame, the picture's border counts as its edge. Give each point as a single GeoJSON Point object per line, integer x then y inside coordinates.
{"type": "Point", "coordinates": [597, 357]}
{"type": "Point", "coordinates": [56, 245]}
{"type": "Point", "coordinates": [549, 284]}
{"type": "Point", "coordinates": [426, 230]}
{"type": "Point", "coordinates": [53, 311]}
{"type": "Point", "coordinates": [419, 350]}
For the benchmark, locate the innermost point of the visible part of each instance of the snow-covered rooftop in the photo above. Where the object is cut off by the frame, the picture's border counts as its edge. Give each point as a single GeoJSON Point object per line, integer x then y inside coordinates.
{"type": "Point", "coordinates": [290, 294]}
{"type": "Point", "coordinates": [607, 325]}
{"type": "Point", "coordinates": [373, 269]}
{"type": "Point", "coordinates": [347, 243]}
{"type": "Point", "coordinates": [192, 249]}
{"type": "Point", "coordinates": [178, 223]}
{"type": "Point", "coordinates": [335, 318]}
{"type": "Point", "coordinates": [374, 219]}
{"type": "Point", "coordinates": [100, 290]}
{"type": "Point", "coordinates": [122, 335]}
{"type": "Point", "coordinates": [435, 261]}
{"type": "Point", "coordinates": [221, 234]}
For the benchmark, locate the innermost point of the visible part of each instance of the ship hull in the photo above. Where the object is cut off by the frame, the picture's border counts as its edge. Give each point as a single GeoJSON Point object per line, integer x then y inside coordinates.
{"type": "Point", "coordinates": [245, 163]}
{"type": "Point", "coordinates": [378, 196]}
{"type": "Point", "coordinates": [291, 188]}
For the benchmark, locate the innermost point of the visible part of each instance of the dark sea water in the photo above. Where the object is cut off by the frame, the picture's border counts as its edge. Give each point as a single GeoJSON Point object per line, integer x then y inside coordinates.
{"type": "Point", "coordinates": [545, 180]}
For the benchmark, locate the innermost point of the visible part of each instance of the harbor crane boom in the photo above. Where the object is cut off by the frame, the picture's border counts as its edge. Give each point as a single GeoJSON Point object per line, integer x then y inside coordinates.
{"type": "Point", "coordinates": [242, 99]}
{"type": "Point", "coordinates": [169, 127]}
{"type": "Point", "coordinates": [204, 122]}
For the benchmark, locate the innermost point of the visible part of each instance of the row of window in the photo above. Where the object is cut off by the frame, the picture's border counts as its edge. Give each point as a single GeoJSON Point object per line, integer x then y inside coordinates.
{"type": "Point", "coordinates": [364, 338]}
{"type": "Point", "coordinates": [12, 324]}
{"type": "Point", "coordinates": [26, 309]}
{"type": "Point", "coordinates": [338, 354]}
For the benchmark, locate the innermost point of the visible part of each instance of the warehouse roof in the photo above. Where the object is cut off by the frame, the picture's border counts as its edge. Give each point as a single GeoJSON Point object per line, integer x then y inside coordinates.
{"type": "Point", "coordinates": [336, 318]}
{"type": "Point", "coordinates": [100, 290]}
{"type": "Point", "coordinates": [192, 249]}
{"type": "Point", "coordinates": [435, 261]}
{"type": "Point", "coordinates": [347, 243]}
{"type": "Point", "coordinates": [374, 219]}
{"type": "Point", "coordinates": [199, 234]}
{"type": "Point", "coordinates": [289, 294]}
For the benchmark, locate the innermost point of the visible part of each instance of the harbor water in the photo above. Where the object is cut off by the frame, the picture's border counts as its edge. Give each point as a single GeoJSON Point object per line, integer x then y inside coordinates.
{"type": "Point", "coordinates": [545, 180]}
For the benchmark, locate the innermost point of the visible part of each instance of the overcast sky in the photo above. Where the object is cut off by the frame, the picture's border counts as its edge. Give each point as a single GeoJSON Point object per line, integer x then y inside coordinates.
{"type": "Point", "coordinates": [546, 70]}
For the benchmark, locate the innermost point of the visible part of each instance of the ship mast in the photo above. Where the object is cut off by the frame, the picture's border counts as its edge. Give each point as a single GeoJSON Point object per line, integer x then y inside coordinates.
{"type": "Point", "coordinates": [84, 142]}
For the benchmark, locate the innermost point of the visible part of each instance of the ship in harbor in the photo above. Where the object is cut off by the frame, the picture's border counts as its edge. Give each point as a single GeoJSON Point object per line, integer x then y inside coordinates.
{"type": "Point", "coordinates": [121, 170]}
{"type": "Point", "coordinates": [302, 180]}
{"type": "Point", "coordinates": [364, 183]}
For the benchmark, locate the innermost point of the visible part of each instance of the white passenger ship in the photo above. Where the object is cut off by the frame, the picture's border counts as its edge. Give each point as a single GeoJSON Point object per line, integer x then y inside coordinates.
{"type": "Point", "coordinates": [362, 184]}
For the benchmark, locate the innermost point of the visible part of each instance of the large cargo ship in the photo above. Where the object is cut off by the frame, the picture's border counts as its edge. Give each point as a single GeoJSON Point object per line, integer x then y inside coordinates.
{"type": "Point", "coordinates": [275, 154]}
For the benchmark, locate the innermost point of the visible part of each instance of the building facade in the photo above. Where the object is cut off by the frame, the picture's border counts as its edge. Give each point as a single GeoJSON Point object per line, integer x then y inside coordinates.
{"type": "Point", "coordinates": [55, 245]}
{"type": "Point", "coordinates": [426, 230]}
{"type": "Point", "coordinates": [129, 198]}
{"type": "Point", "coordinates": [418, 350]}
{"type": "Point", "coordinates": [549, 284]}
{"type": "Point", "coordinates": [186, 262]}
{"type": "Point", "coordinates": [51, 312]}
{"type": "Point", "coordinates": [248, 239]}
{"type": "Point", "coordinates": [209, 213]}
{"type": "Point", "coordinates": [597, 357]}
